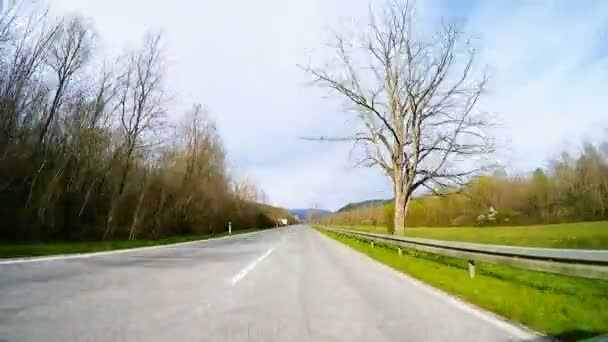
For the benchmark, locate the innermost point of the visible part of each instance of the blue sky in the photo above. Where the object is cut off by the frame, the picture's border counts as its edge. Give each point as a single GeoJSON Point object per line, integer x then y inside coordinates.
{"type": "Point", "coordinates": [548, 61]}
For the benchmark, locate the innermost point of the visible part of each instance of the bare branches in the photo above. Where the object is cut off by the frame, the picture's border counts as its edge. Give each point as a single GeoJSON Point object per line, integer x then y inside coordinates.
{"type": "Point", "coordinates": [24, 47]}
{"type": "Point", "coordinates": [69, 51]}
{"type": "Point", "coordinates": [353, 94]}
{"type": "Point", "coordinates": [140, 94]}
{"type": "Point", "coordinates": [416, 96]}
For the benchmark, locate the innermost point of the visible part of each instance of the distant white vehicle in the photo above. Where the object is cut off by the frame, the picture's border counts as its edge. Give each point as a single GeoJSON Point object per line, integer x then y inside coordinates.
{"type": "Point", "coordinates": [283, 221]}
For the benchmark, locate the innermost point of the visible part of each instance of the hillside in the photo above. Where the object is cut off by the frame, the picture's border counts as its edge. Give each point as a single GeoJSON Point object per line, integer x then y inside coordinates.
{"type": "Point", "coordinates": [364, 204]}
{"type": "Point", "coordinates": [303, 214]}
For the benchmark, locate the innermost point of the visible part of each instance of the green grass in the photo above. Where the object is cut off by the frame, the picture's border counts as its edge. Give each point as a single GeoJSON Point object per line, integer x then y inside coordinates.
{"type": "Point", "coordinates": [569, 308]}
{"type": "Point", "coordinates": [583, 235]}
{"type": "Point", "coordinates": [14, 250]}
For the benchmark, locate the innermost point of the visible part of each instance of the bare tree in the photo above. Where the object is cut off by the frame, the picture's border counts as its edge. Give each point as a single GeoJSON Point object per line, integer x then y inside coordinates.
{"type": "Point", "coordinates": [140, 108]}
{"type": "Point", "coordinates": [97, 118]}
{"type": "Point", "coordinates": [23, 93]}
{"type": "Point", "coordinates": [69, 52]}
{"type": "Point", "coordinates": [200, 156]}
{"type": "Point", "coordinates": [415, 98]}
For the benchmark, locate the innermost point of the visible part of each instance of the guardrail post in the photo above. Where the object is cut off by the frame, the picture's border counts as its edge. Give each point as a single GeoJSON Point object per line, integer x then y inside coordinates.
{"type": "Point", "coordinates": [372, 243]}
{"type": "Point", "coordinates": [400, 251]}
{"type": "Point", "coordinates": [471, 268]}
{"type": "Point", "coordinates": [229, 227]}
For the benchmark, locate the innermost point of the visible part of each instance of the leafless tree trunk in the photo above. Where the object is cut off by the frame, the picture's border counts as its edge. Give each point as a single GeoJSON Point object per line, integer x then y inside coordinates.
{"type": "Point", "coordinates": [415, 98]}
{"type": "Point", "coordinates": [138, 210]}
{"type": "Point", "coordinates": [159, 209]}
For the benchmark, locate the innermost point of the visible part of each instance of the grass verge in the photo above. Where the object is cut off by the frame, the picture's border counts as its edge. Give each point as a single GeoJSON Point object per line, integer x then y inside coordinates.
{"type": "Point", "coordinates": [568, 308]}
{"type": "Point", "coordinates": [582, 235]}
{"type": "Point", "coordinates": [16, 250]}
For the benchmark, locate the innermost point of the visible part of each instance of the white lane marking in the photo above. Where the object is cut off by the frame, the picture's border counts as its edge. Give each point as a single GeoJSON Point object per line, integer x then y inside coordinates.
{"type": "Point", "coordinates": [522, 333]}
{"type": "Point", "coordinates": [242, 273]}
{"type": "Point", "coordinates": [119, 251]}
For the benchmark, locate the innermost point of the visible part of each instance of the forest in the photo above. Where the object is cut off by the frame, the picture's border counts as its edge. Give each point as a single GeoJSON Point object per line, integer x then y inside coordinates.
{"type": "Point", "coordinates": [573, 188]}
{"type": "Point", "coordinates": [90, 150]}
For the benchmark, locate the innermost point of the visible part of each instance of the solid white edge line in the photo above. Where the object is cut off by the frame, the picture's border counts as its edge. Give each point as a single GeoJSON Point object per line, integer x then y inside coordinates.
{"type": "Point", "coordinates": [242, 273]}
{"type": "Point", "coordinates": [487, 316]}
{"type": "Point", "coordinates": [120, 251]}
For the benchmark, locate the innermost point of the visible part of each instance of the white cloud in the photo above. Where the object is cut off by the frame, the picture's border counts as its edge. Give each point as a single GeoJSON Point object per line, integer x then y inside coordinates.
{"type": "Point", "coordinates": [239, 58]}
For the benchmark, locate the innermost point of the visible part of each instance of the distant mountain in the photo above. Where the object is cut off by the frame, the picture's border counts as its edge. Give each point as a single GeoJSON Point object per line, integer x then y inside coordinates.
{"type": "Point", "coordinates": [303, 214]}
{"type": "Point", "coordinates": [364, 204]}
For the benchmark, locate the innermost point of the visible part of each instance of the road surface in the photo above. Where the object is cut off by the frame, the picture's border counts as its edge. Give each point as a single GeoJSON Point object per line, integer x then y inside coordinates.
{"type": "Point", "coordinates": [287, 284]}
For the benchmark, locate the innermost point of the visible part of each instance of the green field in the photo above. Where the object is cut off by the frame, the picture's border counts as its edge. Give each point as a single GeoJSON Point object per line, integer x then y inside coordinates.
{"type": "Point", "coordinates": [14, 250]}
{"type": "Point", "coordinates": [569, 308]}
{"type": "Point", "coordinates": [583, 235]}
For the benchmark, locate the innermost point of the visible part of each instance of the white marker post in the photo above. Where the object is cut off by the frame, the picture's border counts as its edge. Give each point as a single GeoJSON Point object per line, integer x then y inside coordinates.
{"type": "Point", "coordinates": [229, 227]}
{"type": "Point", "coordinates": [471, 265]}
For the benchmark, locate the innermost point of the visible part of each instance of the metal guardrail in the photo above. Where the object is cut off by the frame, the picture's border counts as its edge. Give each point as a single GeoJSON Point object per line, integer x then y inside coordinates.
{"type": "Point", "coordinates": [573, 262]}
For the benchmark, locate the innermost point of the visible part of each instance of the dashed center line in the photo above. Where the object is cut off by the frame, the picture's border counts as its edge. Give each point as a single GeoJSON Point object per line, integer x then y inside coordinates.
{"type": "Point", "coordinates": [242, 273]}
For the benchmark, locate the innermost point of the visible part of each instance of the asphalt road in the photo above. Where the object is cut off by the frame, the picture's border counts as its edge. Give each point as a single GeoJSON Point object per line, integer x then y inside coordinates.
{"type": "Point", "coordinates": [288, 284]}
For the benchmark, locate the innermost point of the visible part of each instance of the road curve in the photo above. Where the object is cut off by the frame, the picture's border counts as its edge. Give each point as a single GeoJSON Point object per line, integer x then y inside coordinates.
{"type": "Point", "coordinates": [288, 284]}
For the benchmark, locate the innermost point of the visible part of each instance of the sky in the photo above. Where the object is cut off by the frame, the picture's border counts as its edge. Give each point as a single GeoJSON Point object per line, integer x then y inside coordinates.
{"type": "Point", "coordinates": [547, 61]}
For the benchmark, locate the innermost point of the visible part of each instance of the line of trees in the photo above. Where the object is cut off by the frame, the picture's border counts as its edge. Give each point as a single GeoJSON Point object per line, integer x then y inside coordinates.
{"type": "Point", "coordinates": [572, 188]}
{"type": "Point", "coordinates": [87, 149]}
